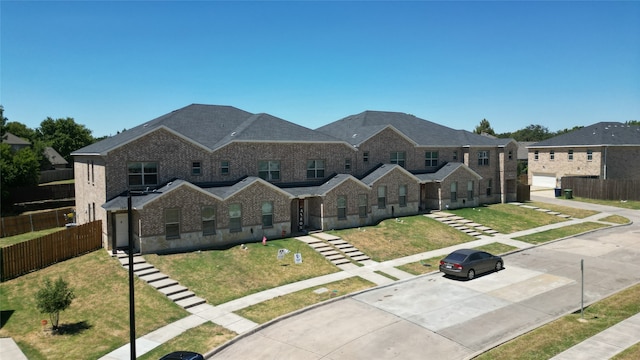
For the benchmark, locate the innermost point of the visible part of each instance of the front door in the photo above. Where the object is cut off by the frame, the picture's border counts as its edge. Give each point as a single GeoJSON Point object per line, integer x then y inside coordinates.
{"type": "Point", "coordinates": [122, 230]}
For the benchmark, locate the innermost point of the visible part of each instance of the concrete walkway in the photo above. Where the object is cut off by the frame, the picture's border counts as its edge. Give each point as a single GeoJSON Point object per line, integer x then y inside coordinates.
{"type": "Point", "coordinates": [608, 343]}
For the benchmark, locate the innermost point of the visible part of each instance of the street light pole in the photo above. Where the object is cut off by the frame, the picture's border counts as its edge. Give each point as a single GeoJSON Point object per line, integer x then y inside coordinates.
{"type": "Point", "coordinates": [132, 311]}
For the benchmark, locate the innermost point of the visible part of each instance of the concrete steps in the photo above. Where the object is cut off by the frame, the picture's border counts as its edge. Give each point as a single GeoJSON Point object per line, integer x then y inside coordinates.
{"type": "Point", "coordinates": [161, 282]}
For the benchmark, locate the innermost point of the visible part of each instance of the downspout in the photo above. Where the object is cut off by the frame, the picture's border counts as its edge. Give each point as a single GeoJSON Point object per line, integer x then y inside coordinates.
{"type": "Point", "coordinates": [604, 167]}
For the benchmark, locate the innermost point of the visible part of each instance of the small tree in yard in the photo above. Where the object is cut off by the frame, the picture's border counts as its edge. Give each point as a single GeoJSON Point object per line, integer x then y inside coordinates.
{"type": "Point", "coordinates": [53, 298]}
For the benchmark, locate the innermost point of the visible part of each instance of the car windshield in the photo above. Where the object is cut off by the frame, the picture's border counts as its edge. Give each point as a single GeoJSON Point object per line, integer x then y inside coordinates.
{"type": "Point", "coordinates": [456, 257]}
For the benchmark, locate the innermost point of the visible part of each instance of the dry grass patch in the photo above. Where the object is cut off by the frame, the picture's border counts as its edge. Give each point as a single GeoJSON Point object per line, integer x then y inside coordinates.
{"type": "Point", "coordinates": [392, 239]}
{"type": "Point", "coordinates": [507, 218]}
{"type": "Point", "coordinates": [285, 304]}
{"type": "Point", "coordinates": [220, 276]}
{"type": "Point", "coordinates": [616, 219]}
{"type": "Point", "coordinates": [559, 233]}
{"type": "Point", "coordinates": [632, 353]}
{"type": "Point", "coordinates": [557, 336]}
{"type": "Point", "coordinates": [96, 323]}
{"type": "Point", "coordinates": [573, 212]}
{"type": "Point", "coordinates": [200, 339]}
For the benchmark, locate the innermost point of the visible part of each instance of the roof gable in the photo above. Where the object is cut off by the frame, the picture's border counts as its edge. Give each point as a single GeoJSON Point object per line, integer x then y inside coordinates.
{"type": "Point", "coordinates": [447, 170]}
{"type": "Point", "coordinates": [383, 171]}
{"type": "Point", "coordinates": [602, 133]}
{"type": "Point", "coordinates": [356, 129]}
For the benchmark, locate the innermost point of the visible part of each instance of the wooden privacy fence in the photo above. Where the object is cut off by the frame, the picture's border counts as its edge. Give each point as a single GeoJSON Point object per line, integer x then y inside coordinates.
{"type": "Point", "coordinates": [22, 258]}
{"type": "Point", "coordinates": [16, 225]}
{"type": "Point", "coordinates": [610, 189]}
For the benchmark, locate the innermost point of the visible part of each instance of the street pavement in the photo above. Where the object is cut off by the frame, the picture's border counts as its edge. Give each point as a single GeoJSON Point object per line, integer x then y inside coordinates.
{"type": "Point", "coordinates": [440, 317]}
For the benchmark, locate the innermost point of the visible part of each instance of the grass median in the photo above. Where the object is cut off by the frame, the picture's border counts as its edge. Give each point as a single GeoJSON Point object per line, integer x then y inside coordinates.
{"type": "Point", "coordinates": [567, 331]}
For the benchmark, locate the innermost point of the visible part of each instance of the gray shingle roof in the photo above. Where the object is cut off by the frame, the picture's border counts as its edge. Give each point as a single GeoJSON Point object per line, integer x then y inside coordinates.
{"type": "Point", "coordinates": [602, 133]}
{"type": "Point", "coordinates": [444, 172]}
{"type": "Point", "coordinates": [9, 138]}
{"type": "Point", "coordinates": [356, 129]}
{"type": "Point", "coordinates": [213, 126]}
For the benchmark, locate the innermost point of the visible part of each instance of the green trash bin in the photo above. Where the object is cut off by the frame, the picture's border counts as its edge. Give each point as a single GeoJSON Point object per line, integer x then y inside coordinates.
{"type": "Point", "coordinates": [568, 193]}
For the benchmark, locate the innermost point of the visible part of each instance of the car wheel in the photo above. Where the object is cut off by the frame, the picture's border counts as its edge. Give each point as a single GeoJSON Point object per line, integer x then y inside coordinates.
{"type": "Point", "coordinates": [471, 274]}
{"type": "Point", "coordinates": [499, 266]}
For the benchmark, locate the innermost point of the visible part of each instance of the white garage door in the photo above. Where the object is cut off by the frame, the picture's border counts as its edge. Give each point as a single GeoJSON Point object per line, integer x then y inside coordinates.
{"type": "Point", "coordinates": [543, 181]}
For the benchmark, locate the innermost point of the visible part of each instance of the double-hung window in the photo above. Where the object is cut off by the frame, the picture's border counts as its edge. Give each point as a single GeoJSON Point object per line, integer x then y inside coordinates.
{"type": "Point", "coordinates": [172, 223]}
{"type": "Point", "coordinates": [347, 165]}
{"type": "Point", "coordinates": [431, 158]}
{"type": "Point", "coordinates": [235, 218]}
{"type": "Point", "coordinates": [536, 155]}
{"type": "Point", "coordinates": [402, 195]}
{"type": "Point", "coordinates": [489, 187]}
{"type": "Point", "coordinates": [382, 197]}
{"type": "Point", "coordinates": [342, 207]}
{"type": "Point", "coordinates": [196, 168]}
{"type": "Point", "coordinates": [470, 190]}
{"type": "Point", "coordinates": [315, 169]}
{"type": "Point", "coordinates": [143, 173]}
{"type": "Point", "coordinates": [267, 214]}
{"type": "Point", "coordinates": [269, 170]}
{"type": "Point", "coordinates": [454, 191]}
{"type": "Point", "coordinates": [589, 154]}
{"type": "Point", "coordinates": [208, 220]}
{"type": "Point", "coordinates": [398, 157]}
{"type": "Point", "coordinates": [552, 155]}
{"type": "Point", "coordinates": [570, 155]}
{"type": "Point", "coordinates": [224, 167]}
{"type": "Point", "coordinates": [483, 157]}
{"type": "Point", "coordinates": [362, 205]}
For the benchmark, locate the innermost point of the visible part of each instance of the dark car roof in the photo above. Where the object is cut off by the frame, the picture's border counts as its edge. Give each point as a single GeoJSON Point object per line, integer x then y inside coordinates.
{"type": "Point", "coordinates": [465, 251]}
{"type": "Point", "coordinates": [182, 355]}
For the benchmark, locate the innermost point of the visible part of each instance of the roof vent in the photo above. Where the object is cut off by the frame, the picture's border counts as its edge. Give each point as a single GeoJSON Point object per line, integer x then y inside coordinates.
{"type": "Point", "coordinates": [233, 133]}
{"type": "Point", "coordinates": [354, 136]}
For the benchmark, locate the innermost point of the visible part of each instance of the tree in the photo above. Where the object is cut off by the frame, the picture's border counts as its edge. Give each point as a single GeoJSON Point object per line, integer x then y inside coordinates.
{"type": "Point", "coordinates": [532, 133]}
{"type": "Point", "coordinates": [53, 298]}
{"type": "Point", "coordinates": [484, 127]}
{"type": "Point", "coordinates": [632, 122]}
{"type": "Point", "coordinates": [64, 135]}
{"type": "Point", "coordinates": [3, 121]}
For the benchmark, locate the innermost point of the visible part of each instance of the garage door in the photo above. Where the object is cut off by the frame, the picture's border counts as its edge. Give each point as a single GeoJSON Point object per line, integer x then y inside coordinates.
{"type": "Point", "coordinates": [543, 181]}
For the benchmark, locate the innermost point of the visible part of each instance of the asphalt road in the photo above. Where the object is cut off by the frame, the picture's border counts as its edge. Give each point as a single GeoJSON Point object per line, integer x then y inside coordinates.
{"type": "Point", "coordinates": [436, 317]}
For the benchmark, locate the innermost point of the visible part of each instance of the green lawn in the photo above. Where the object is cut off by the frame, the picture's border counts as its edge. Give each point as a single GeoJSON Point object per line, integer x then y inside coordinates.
{"type": "Point", "coordinates": [548, 235]}
{"type": "Point", "coordinates": [10, 240]}
{"type": "Point", "coordinates": [507, 218]}
{"type": "Point", "coordinates": [223, 275]}
{"type": "Point", "coordinates": [630, 204]}
{"type": "Point", "coordinates": [97, 321]}
{"type": "Point", "coordinates": [392, 239]}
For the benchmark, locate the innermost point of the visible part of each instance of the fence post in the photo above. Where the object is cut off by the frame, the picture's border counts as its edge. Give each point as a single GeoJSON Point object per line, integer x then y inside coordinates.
{"type": "Point", "coordinates": [31, 221]}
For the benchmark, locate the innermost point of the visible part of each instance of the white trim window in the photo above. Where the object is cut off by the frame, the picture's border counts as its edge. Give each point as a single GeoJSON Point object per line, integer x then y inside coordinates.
{"type": "Point", "coordinates": [431, 158]}
{"type": "Point", "coordinates": [142, 173]}
{"type": "Point", "coordinates": [454, 191]}
{"type": "Point", "coordinates": [398, 157]}
{"type": "Point", "coordinates": [342, 207]}
{"type": "Point", "coordinates": [402, 195]}
{"type": "Point", "coordinates": [269, 170]}
{"type": "Point", "coordinates": [470, 190]}
{"type": "Point", "coordinates": [196, 168]}
{"type": "Point", "coordinates": [208, 214]}
{"type": "Point", "coordinates": [483, 157]}
{"type": "Point", "coordinates": [589, 155]}
{"type": "Point", "coordinates": [570, 155]}
{"type": "Point", "coordinates": [172, 224]}
{"type": "Point", "coordinates": [267, 214]}
{"type": "Point", "coordinates": [552, 155]}
{"type": "Point", "coordinates": [224, 167]}
{"type": "Point", "coordinates": [382, 197]}
{"type": "Point", "coordinates": [362, 205]}
{"type": "Point", "coordinates": [315, 169]}
{"type": "Point", "coordinates": [235, 218]}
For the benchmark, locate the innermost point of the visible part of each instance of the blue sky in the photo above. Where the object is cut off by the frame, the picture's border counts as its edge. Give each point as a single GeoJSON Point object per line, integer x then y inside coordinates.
{"type": "Point", "coordinates": [113, 65]}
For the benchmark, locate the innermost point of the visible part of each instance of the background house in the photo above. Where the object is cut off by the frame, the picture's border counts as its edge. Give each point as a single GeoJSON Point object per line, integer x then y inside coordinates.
{"type": "Point", "coordinates": [606, 150]}
{"type": "Point", "coordinates": [209, 176]}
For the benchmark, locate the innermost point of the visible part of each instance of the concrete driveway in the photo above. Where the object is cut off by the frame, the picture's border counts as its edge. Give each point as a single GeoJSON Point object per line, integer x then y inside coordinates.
{"type": "Point", "coordinates": [433, 316]}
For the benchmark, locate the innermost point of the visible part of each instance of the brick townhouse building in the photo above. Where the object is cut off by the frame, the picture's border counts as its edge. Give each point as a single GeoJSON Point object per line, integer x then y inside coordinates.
{"type": "Point", "coordinates": [604, 150]}
{"type": "Point", "coordinates": [207, 176]}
